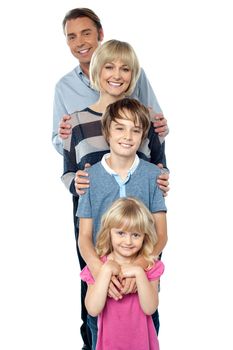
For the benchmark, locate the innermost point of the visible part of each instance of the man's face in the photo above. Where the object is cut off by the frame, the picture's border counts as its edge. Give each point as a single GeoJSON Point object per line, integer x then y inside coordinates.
{"type": "Point", "coordinates": [82, 38]}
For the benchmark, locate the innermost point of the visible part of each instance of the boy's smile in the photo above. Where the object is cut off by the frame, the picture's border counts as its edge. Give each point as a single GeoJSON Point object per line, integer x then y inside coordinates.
{"type": "Point", "coordinates": [125, 137]}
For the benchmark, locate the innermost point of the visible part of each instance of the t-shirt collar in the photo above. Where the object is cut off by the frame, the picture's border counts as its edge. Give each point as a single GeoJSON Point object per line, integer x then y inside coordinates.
{"type": "Point", "coordinates": [112, 172]}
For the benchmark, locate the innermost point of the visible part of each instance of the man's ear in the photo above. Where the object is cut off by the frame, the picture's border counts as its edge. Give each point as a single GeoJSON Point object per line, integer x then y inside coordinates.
{"type": "Point", "coordinates": [101, 35]}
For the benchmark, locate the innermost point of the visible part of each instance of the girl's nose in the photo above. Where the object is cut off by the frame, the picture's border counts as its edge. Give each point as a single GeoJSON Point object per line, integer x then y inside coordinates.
{"type": "Point", "coordinates": [128, 239]}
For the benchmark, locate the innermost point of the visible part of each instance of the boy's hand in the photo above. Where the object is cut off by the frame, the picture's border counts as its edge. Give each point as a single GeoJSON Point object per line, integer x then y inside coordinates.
{"type": "Point", "coordinates": [163, 182]}
{"type": "Point", "coordinates": [81, 180]}
{"type": "Point", "coordinates": [128, 285]}
{"type": "Point", "coordinates": [64, 130]}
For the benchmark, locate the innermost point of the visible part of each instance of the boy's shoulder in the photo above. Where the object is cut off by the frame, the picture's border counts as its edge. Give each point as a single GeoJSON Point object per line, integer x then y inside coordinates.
{"type": "Point", "coordinates": [145, 165]}
{"type": "Point", "coordinates": [95, 168]}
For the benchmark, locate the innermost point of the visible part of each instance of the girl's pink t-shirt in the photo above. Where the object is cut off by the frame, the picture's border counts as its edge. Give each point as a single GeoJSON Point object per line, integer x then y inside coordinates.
{"type": "Point", "coordinates": [122, 325]}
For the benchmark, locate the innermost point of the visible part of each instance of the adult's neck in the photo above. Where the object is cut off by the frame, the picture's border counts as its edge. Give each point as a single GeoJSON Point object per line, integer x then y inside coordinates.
{"type": "Point", "coordinates": [85, 68]}
{"type": "Point", "coordinates": [104, 101]}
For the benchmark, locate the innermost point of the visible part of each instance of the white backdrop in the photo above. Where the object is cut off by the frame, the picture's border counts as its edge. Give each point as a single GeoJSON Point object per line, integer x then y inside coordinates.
{"type": "Point", "coordinates": [185, 48]}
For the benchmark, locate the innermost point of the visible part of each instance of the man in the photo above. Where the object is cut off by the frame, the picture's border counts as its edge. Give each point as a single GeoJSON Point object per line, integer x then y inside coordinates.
{"type": "Point", "coordinates": [84, 32]}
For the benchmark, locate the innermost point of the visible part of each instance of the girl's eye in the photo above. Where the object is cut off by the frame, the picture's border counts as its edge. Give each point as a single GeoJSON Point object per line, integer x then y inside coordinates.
{"type": "Point", "coordinates": [119, 128]}
{"type": "Point", "coordinates": [136, 235]}
{"type": "Point", "coordinates": [108, 67]}
{"type": "Point", "coordinates": [121, 233]}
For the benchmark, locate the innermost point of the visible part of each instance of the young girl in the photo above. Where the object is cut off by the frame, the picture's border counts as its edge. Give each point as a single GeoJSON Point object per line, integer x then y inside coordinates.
{"type": "Point", "coordinates": [127, 230]}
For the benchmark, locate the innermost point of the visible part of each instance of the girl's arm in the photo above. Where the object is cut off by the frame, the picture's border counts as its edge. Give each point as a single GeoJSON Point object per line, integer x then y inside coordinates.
{"type": "Point", "coordinates": [147, 291]}
{"type": "Point", "coordinates": [97, 293]}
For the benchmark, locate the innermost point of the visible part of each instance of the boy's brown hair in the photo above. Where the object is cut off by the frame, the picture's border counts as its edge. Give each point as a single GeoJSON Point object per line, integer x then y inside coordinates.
{"type": "Point", "coordinates": [140, 115]}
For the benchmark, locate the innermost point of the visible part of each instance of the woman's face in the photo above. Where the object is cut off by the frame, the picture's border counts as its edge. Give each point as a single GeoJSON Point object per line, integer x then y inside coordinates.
{"type": "Point", "coordinates": [115, 78]}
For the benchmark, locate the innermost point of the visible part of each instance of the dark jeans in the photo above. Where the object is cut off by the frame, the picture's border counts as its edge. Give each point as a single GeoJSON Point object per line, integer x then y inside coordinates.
{"type": "Point", "coordinates": [84, 329]}
{"type": "Point", "coordinates": [92, 323]}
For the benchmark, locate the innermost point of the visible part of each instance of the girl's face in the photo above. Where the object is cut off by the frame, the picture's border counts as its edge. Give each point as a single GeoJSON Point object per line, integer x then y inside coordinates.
{"type": "Point", "coordinates": [126, 244]}
{"type": "Point", "coordinates": [115, 78]}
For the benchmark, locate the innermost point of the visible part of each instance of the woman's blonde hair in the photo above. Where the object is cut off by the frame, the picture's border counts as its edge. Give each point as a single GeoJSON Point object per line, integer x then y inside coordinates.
{"type": "Point", "coordinates": [114, 50]}
{"type": "Point", "coordinates": [131, 215]}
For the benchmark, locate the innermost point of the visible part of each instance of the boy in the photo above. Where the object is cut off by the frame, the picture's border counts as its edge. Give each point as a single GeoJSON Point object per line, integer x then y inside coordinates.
{"type": "Point", "coordinates": [119, 174]}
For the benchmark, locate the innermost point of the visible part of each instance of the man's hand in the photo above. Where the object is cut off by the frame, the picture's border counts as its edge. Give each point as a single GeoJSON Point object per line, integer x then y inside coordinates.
{"type": "Point", "coordinates": [64, 130]}
{"type": "Point", "coordinates": [162, 180]}
{"type": "Point", "coordinates": [160, 124]}
{"type": "Point", "coordinates": [81, 180]}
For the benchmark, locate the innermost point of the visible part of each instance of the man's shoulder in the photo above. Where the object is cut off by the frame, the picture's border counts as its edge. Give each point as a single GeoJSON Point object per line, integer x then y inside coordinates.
{"type": "Point", "coordinates": [70, 76]}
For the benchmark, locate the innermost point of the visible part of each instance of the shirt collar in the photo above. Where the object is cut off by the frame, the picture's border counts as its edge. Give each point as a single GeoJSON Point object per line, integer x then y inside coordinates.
{"type": "Point", "coordinates": [112, 172]}
{"type": "Point", "coordinates": [83, 76]}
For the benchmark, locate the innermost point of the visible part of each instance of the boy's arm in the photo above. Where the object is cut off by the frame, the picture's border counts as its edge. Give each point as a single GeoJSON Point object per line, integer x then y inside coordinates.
{"type": "Point", "coordinates": [147, 291]}
{"type": "Point", "coordinates": [161, 231]}
{"type": "Point", "coordinates": [86, 246]}
{"type": "Point", "coordinates": [91, 258]}
{"type": "Point", "coordinates": [160, 220]}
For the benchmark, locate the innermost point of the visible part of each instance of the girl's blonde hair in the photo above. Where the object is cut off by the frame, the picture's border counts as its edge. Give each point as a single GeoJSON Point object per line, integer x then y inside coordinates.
{"type": "Point", "coordinates": [131, 215]}
{"type": "Point", "coordinates": [114, 50]}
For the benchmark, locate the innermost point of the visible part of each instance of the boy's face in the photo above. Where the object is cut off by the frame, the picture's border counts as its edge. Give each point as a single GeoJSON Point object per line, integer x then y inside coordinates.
{"type": "Point", "coordinates": [125, 137]}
